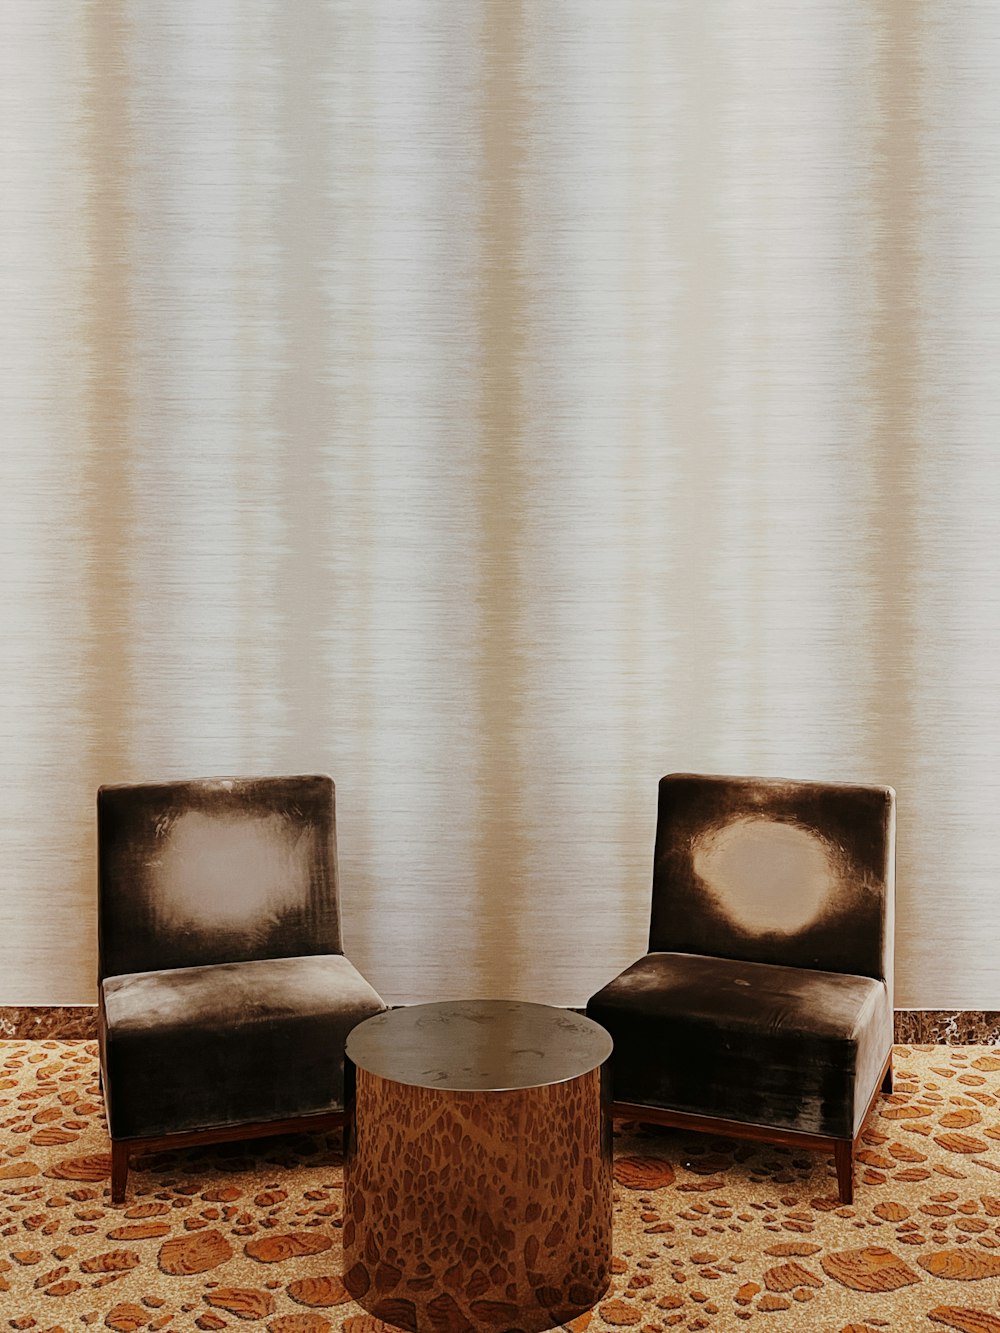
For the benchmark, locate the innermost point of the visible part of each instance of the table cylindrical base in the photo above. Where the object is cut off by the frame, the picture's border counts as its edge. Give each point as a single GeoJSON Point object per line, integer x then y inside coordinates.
{"type": "Point", "coordinates": [478, 1210]}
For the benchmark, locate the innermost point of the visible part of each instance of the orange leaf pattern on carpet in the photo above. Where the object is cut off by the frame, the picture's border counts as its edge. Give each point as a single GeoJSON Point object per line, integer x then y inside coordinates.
{"type": "Point", "coordinates": [194, 1254]}
{"type": "Point", "coordinates": [963, 1143]}
{"type": "Point", "coordinates": [643, 1173]}
{"type": "Point", "coordinates": [619, 1313]}
{"type": "Point", "coordinates": [786, 1277]}
{"type": "Point", "coordinates": [299, 1323]}
{"type": "Point", "coordinates": [710, 1233]}
{"type": "Point", "coordinates": [969, 1321]}
{"type": "Point", "coordinates": [127, 1318]}
{"type": "Point", "coordinates": [114, 1261]}
{"type": "Point", "coordinates": [244, 1302]}
{"type": "Point", "coordinates": [274, 1249]}
{"type": "Point", "coordinates": [95, 1167]}
{"type": "Point", "coordinates": [961, 1265]}
{"type": "Point", "coordinates": [871, 1269]}
{"type": "Point", "coordinates": [324, 1289]}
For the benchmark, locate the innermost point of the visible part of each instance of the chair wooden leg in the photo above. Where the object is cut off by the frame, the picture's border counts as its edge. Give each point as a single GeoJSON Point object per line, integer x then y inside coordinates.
{"type": "Point", "coordinates": [119, 1170]}
{"type": "Point", "coordinates": [887, 1081]}
{"type": "Point", "coordinates": [843, 1155]}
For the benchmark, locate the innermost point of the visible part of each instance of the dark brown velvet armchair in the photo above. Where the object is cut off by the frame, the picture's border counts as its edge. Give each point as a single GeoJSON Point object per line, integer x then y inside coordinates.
{"type": "Point", "coordinates": [225, 998]}
{"type": "Point", "coordinates": [763, 1008]}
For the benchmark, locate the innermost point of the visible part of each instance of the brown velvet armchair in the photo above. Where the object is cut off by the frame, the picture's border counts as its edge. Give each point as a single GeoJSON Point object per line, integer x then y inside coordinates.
{"type": "Point", "coordinates": [225, 998]}
{"type": "Point", "coordinates": [763, 1008]}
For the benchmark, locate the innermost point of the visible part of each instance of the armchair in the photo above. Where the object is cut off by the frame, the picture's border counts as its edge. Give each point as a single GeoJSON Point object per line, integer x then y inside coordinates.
{"type": "Point", "coordinates": [763, 1008]}
{"type": "Point", "coordinates": [224, 997]}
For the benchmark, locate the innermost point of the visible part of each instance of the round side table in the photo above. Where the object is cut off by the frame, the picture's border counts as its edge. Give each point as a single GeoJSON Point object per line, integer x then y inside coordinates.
{"type": "Point", "coordinates": [477, 1182]}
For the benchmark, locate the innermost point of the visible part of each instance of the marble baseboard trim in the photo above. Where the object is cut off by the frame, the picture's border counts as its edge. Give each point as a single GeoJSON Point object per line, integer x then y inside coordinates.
{"type": "Point", "coordinates": [920, 1027]}
{"type": "Point", "coordinates": [54, 1022]}
{"type": "Point", "coordinates": [948, 1027]}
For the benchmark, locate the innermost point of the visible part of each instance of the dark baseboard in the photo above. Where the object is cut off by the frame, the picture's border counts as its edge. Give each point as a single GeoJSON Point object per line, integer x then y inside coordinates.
{"type": "Point", "coordinates": [57, 1022]}
{"type": "Point", "coordinates": [920, 1027]}
{"type": "Point", "coordinates": [948, 1027]}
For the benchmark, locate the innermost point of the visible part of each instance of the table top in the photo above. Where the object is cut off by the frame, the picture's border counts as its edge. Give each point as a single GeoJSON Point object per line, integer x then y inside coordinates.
{"type": "Point", "coordinates": [478, 1045]}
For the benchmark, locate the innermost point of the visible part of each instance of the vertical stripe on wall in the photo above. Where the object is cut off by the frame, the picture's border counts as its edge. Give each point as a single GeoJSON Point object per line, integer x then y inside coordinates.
{"type": "Point", "coordinates": [897, 439]}
{"type": "Point", "coordinates": [502, 495]}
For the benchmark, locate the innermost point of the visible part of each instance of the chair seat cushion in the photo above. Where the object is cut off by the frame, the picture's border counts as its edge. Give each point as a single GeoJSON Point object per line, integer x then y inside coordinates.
{"type": "Point", "coordinates": [784, 1047]}
{"type": "Point", "coordinates": [230, 1044]}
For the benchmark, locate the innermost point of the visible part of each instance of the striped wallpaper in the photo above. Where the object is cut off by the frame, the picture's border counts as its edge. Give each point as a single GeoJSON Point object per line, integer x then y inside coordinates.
{"type": "Point", "coordinates": [497, 405]}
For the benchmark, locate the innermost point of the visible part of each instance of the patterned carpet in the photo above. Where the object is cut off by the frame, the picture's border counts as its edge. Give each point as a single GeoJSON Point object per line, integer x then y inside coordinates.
{"type": "Point", "coordinates": [709, 1233]}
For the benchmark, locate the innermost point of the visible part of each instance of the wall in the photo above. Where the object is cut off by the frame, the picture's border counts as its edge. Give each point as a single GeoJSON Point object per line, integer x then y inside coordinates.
{"type": "Point", "coordinates": [497, 406]}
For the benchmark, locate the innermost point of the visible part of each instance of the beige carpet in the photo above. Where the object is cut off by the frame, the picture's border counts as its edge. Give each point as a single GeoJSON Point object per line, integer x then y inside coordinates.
{"type": "Point", "coordinates": [709, 1233]}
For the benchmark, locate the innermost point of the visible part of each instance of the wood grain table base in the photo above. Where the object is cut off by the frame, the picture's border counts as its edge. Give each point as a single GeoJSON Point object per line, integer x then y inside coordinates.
{"type": "Point", "coordinates": [478, 1210]}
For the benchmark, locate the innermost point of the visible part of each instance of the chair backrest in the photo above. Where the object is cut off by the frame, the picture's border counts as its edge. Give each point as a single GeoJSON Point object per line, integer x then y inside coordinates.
{"type": "Point", "coordinates": [774, 871]}
{"type": "Point", "coordinates": [216, 870]}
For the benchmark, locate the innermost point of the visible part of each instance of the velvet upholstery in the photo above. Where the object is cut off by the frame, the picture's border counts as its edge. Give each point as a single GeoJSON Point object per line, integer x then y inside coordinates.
{"type": "Point", "coordinates": [216, 870]}
{"type": "Point", "coordinates": [205, 1046]}
{"type": "Point", "coordinates": [765, 999]}
{"type": "Point", "coordinates": [783, 1046]}
{"type": "Point", "coordinates": [794, 873]}
{"type": "Point", "coordinates": [225, 999]}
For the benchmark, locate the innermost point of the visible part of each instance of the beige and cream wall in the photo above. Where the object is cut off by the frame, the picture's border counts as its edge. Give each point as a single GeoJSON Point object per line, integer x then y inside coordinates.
{"type": "Point", "coordinates": [498, 405]}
